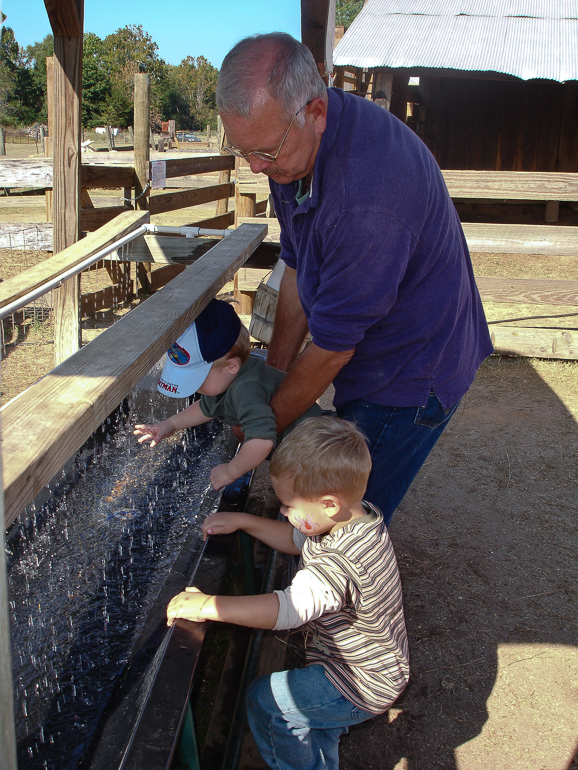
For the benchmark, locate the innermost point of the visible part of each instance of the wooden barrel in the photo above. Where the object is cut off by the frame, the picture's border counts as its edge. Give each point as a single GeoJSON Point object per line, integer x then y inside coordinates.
{"type": "Point", "coordinates": [263, 317]}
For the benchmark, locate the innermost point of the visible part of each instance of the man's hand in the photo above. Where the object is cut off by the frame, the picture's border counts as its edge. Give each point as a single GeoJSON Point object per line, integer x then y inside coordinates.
{"type": "Point", "coordinates": [221, 476]}
{"type": "Point", "coordinates": [221, 523]}
{"type": "Point", "coordinates": [156, 432]}
{"type": "Point", "coordinates": [188, 604]}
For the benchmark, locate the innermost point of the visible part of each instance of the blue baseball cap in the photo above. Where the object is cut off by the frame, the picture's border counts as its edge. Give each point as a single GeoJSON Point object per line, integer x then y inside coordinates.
{"type": "Point", "coordinates": [189, 359]}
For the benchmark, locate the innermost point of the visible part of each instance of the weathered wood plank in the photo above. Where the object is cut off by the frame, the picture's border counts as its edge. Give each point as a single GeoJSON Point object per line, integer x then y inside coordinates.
{"type": "Point", "coordinates": [221, 222]}
{"type": "Point", "coordinates": [93, 218]}
{"type": "Point", "coordinates": [186, 198]}
{"type": "Point", "coordinates": [65, 18]}
{"type": "Point", "coordinates": [46, 424]}
{"type": "Point", "coordinates": [512, 185]}
{"type": "Point", "coordinates": [22, 172]}
{"type": "Point", "coordinates": [28, 280]}
{"type": "Point", "coordinates": [199, 165]}
{"type": "Point", "coordinates": [531, 342]}
{"type": "Point", "coordinates": [24, 237]}
{"type": "Point", "coordinates": [544, 291]}
{"type": "Point", "coordinates": [274, 232]}
{"type": "Point", "coordinates": [522, 239]}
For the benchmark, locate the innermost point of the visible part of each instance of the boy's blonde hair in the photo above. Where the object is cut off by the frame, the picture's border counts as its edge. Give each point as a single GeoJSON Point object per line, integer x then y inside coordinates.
{"type": "Point", "coordinates": [242, 347]}
{"type": "Point", "coordinates": [324, 455]}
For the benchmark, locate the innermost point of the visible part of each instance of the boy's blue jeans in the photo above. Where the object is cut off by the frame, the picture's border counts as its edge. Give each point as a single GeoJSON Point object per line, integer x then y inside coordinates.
{"type": "Point", "coordinates": [400, 439]}
{"type": "Point", "coordinates": [297, 717]}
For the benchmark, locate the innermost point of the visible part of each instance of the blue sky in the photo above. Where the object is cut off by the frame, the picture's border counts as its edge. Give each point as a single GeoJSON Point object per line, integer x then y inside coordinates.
{"type": "Point", "coordinates": [180, 28]}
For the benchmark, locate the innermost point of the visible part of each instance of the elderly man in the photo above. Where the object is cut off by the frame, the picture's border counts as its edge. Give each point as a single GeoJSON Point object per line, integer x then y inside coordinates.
{"type": "Point", "coordinates": [377, 267]}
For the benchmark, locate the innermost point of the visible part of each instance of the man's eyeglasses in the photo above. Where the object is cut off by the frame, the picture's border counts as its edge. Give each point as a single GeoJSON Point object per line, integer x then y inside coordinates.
{"type": "Point", "coordinates": [263, 155]}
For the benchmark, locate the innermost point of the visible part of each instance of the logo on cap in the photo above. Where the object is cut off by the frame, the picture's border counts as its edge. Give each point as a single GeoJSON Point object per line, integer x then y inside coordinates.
{"type": "Point", "coordinates": [178, 355]}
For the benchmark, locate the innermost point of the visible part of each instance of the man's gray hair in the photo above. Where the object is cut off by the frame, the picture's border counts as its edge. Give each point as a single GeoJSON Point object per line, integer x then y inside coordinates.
{"type": "Point", "coordinates": [277, 62]}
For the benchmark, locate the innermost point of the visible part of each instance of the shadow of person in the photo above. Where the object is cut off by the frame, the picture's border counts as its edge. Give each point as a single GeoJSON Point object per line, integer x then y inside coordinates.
{"type": "Point", "coordinates": [486, 544]}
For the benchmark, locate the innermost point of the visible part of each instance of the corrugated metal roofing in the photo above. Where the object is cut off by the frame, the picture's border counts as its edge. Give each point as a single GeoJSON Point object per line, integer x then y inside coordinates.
{"type": "Point", "coordinates": [524, 38]}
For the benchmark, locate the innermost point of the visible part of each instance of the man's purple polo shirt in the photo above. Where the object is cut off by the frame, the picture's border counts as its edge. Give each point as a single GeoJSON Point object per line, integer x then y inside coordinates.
{"type": "Point", "coordinates": [382, 263]}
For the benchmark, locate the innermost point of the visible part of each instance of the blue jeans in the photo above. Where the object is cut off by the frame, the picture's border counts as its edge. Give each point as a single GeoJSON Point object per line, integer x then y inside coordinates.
{"type": "Point", "coordinates": [400, 439]}
{"type": "Point", "coordinates": [297, 717]}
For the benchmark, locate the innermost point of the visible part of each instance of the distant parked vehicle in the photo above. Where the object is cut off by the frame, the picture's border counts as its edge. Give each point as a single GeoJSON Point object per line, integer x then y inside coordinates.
{"type": "Point", "coordinates": [187, 136]}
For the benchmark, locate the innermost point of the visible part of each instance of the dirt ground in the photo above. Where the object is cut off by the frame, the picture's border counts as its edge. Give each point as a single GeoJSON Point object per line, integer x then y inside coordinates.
{"type": "Point", "coordinates": [486, 543]}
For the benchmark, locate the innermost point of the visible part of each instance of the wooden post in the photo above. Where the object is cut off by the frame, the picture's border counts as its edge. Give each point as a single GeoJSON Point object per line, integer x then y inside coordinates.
{"type": "Point", "coordinates": [49, 105]}
{"type": "Point", "coordinates": [142, 134]}
{"type": "Point", "coordinates": [7, 732]}
{"type": "Point", "coordinates": [399, 93]}
{"type": "Point", "coordinates": [2, 141]}
{"type": "Point", "coordinates": [66, 186]}
{"type": "Point", "coordinates": [224, 176]}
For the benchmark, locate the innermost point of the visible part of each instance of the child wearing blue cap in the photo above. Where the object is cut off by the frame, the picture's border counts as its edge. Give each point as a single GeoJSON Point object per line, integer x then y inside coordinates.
{"type": "Point", "coordinates": [212, 357]}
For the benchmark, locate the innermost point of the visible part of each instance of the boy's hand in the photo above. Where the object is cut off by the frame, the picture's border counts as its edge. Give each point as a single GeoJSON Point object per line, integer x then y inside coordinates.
{"type": "Point", "coordinates": [220, 524]}
{"type": "Point", "coordinates": [221, 476]}
{"type": "Point", "coordinates": [188, 604]}
{"type": "Point", "coordinates": [156, 432]}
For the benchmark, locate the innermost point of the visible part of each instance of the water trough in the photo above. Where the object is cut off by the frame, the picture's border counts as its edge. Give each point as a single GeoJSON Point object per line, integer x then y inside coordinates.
{"type": "Point", "coordinates": [117, 538]}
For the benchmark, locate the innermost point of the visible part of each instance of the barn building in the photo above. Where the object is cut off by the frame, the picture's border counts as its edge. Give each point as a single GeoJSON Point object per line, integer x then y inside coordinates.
{"type": "Point", "coordinates": [497, 81]}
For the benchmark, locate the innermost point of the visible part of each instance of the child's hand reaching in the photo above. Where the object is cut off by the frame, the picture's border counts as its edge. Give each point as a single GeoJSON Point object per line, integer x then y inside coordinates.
{"type": "Point", "coordinates": [220, 523]}
{"type": "Point", "coordinates": [188, 605]}
{"type": "Point", "coordinates": [221, 476]}
{"type": "Point", "coordinates": [156, 432]}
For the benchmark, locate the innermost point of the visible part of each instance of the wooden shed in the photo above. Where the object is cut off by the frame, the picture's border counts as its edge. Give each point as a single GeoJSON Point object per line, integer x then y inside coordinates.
{"type": "Point", "coordinates": [497, 81]}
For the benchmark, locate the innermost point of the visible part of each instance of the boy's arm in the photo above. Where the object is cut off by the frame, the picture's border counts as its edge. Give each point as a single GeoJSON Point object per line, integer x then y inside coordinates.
{"type": "Point", "coordinates": [254, 611]}
{"type": "Point", "coordinates": [275, 534]}
{"type": "Point", "coordinates": [188, 418]}
{"type": "Point", "coordinates": [250, 455]}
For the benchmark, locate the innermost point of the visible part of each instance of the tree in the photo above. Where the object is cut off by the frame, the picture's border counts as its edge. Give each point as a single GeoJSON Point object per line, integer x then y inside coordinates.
{"type": "Point", "coordinates": [96, 82]}
{"type": "Point", "coordinates": [193, 93]}
{"type": "Point", "coordinates": [346, 11]}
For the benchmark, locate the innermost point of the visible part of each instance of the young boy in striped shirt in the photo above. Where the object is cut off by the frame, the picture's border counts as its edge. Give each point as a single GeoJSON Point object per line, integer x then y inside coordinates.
{"type": "Point", "coordinates": [347, 592]}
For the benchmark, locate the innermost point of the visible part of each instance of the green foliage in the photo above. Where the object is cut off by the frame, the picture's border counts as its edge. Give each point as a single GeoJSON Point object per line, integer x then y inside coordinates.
{"type": "Point", "coordinates": [346, 11]}
{"type": "Point", "coordinates": [185, 93]}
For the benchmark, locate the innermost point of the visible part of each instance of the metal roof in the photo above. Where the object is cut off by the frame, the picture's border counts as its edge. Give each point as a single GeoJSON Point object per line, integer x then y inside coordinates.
{"type": "Point", "coordinates": [524, 38]}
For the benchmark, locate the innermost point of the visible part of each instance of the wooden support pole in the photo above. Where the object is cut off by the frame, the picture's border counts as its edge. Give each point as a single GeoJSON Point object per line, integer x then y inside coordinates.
{"type": "Point", "coordinates": [7, 731]}
{"type": "Point", "coordinates": [66, 187]}
{"type": "Point", "coordinates": [142, 132]}
{"type": "Point", "coordinates": [224, 176]}
{"type": "Point", "coordinates": [2, 141]}
{"type": "Point", "coordinates": [49, 105]}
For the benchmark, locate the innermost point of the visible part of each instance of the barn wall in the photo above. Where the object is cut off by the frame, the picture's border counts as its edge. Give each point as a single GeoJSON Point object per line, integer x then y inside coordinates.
{"type": "Point", "coordinates": [500, 124]}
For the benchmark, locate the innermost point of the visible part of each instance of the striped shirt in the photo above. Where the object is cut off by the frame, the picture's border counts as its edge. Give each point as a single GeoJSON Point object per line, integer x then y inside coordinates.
{"type": "Point", "coordinates": [348, 591]}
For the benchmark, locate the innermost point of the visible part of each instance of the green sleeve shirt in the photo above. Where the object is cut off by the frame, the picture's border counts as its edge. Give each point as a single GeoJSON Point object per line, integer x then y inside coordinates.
{"type": "Point", "coordinates": [246, 402]}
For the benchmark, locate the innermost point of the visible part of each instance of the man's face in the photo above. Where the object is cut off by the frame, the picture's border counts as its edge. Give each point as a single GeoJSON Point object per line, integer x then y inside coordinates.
{"type": "Point", "coordinates": [263, 131]}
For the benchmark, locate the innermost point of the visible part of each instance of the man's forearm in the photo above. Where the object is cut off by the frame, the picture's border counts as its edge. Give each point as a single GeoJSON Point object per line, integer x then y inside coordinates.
{"type": "Point", "coordinates": [290, 326]}
{"type": "Point", "coordinates": [306, 381]}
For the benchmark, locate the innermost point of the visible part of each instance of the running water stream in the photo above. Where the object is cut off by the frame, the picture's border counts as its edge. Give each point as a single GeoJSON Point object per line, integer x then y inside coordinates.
{"type": "Point", "coordinates": [86, 566]}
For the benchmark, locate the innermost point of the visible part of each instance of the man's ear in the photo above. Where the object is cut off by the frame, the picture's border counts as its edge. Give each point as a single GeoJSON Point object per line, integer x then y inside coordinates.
{"type": "Point", "coordinates": [233, 365]}
{"type": "Point", "coordinates": [331, 506]}
{"type": "Point", "coordinates": [318, 111]}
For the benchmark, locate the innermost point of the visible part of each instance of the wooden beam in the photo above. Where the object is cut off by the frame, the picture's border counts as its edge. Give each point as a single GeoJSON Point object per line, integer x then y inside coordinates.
{"type": "Point", "coordinates": [65, 17]}
{"type": "Point", "coordinates": [49, 106]}
{"type": "Point", "coordinates": [180, 200]}
{"type": "Point", "coordinates": [512, 185]}
{"type": "Point", "coordinates": [222, 222]}
{"type": "Point", "coordinates": [93, 218]}
{"type": "Point", "coordinates": [7, 730]}
{"type": "Point", "coordinates": [13, 288]}
{"type": "Point", "coordinates": [538, 343]}
{"type": "Point", "coordinates": [168, 250]}
{"type": "Point", "coordinates": [522, 239]}
{"type": "Point", "coordinates": [142, 172]}
{"type": "Point", "coordinates": [66, 182]}
{"type": "Point", "coordinates": [543, 291]}
{"type": "Point", "coordinates": [46, 424]}
{"type": "Point", "coordinates": [202, 165]}
{"type": "Point", "coordinates": [22, 172]}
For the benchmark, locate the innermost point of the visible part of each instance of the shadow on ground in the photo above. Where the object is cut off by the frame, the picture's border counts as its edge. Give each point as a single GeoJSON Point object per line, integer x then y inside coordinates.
{"type": "Point", "coordinates": [486, 542]}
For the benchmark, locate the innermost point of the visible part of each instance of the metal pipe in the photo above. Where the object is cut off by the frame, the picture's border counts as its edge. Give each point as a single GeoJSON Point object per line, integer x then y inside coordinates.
{"type": "Point", "coordinates": [54, 282]}
{"type": "Point", "coordinates": [188, 232]}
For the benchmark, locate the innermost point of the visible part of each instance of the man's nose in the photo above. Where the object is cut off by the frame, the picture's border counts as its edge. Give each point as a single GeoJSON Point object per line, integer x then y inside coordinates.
{"type": "Point", "coordinates": [257, 164]}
